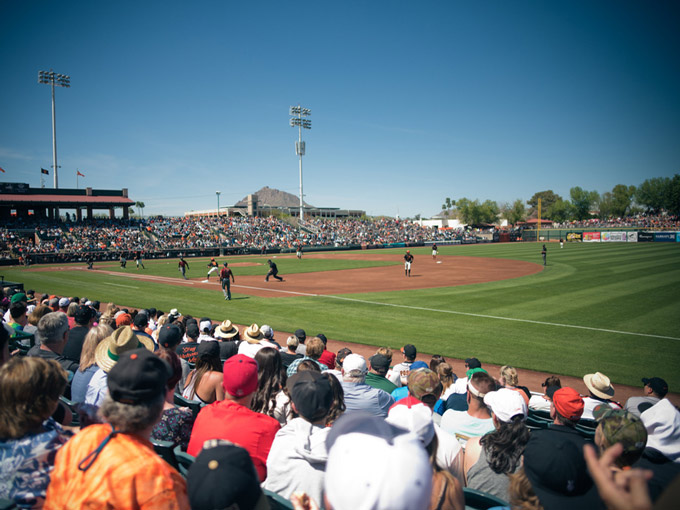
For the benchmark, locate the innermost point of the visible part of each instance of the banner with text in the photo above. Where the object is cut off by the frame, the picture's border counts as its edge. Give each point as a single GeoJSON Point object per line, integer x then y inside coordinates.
{"type": "Point", "coordinates": [664, 237]}
{"type": "Point", "coordinates": [645, 237]}
{"type": "Point", "coordinates": [614, 237]}
{"type": "Point", "coordinates": [575, 236]}
{"type": "Point", "coordinates": [591, 237]}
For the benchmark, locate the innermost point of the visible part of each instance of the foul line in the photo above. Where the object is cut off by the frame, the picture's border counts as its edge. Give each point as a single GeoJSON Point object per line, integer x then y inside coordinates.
{"type": "Point", "coordinates": [119, 285]}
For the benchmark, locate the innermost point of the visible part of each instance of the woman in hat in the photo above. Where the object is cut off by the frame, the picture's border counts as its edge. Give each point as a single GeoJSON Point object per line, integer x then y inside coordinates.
{"type": "Point", "coordinates": [29, 438]}
{"type": "Point", "coordinates": [600, 391]}
{"type": "Point", "coordinates": [204, 383]}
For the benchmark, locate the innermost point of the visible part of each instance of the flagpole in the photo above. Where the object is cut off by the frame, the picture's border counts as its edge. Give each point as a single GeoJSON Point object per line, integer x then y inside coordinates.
{"type": "Point", "coordinates": [77, 179]}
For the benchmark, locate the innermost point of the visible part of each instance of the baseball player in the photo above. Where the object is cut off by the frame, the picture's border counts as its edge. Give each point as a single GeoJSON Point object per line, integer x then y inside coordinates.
{"type": "Point", "coordinates": [544, 254]}
{"type": "Point", "coordinates": [273, 271]}
{"type": "Point", "coordinates": [138, 260]}
{"type": "Point", "coordinates": [434, 251]}
{"type": "Point", "coordinates": [408, 260]}
{"type": "Point", "coordinates": [182, 266]}
{"type": "Point", "coordinates": [212, 268]}
{"type": "Point", "coordinates": [225, 274]}
{"type": "Point", "coordinates": [298, 252]}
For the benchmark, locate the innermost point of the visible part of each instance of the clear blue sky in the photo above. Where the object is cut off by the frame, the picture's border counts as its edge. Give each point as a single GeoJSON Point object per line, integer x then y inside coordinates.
{"type": "Point", "coordinates": [411, 101]}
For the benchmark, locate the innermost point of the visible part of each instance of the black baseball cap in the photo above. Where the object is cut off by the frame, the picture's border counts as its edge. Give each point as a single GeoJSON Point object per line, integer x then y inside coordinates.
{"type": "Point", "coordinates": [658, 385]}
{"type": "Point", "coordinates": [311, 393]}
{"type": "Point", "coordinates": [301, 335]}
{"type": "Point", "coordinates": [138, 376]}
{"type": "Point", "coordinates": [473, 363]}
{"type": "Point", "coordinates": [169, 336]}
{"type": "Point", "coordinates": [83, 314]}
{"type": "Point", "coordinates": [379, 362]}
{"type": "Point", "coordinates": [409, 351]}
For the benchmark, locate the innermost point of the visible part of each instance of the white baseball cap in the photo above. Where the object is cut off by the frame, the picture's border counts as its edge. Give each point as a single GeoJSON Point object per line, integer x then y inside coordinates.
{"type": "Point", "coordinates": [354, 362]}
{"type": "Point", "coordinates": [416, 418]}
{"type": "Point", "coordinates": [506, 403]}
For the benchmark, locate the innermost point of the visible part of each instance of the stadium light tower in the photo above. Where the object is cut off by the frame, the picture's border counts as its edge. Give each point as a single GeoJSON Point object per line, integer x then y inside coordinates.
{"type": "Point", "coordinates": [60, 80]}
{"type": "Point", "coordinates": [299, 118]}
{"type": "Point", "coordinates": [218, 193]}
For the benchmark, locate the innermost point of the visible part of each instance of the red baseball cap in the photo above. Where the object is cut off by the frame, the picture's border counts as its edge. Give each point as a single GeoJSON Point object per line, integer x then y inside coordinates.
{"type": "Point", "coordinates": [239, 375]}
{"type": "Point", "coordinates": [568, 403]}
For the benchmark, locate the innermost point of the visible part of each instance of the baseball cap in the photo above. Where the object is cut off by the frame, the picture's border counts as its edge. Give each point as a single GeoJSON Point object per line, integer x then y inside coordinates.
{"type": "Point", "coordinates": [192, 330]}
{"type": "Point", "coordinates": [506, 404]}
{"type": "Point", "coordinates": [311, 393]}
{"type": "Point", "coordinates": [83, 314]}
{"type": "Point", "coordinates": [397, 475]}
{"type": "Point", "coordinates": [169, 336]}
{"type": "Point", "coordinates": [473, 363]}
{"type": "Point", "coordinates": [205, 325]}
{"type": "Point", "coordinates": [658, 385]}
{"type": "Point", "coordinates": [239, 375]}
{"type": "Point", "coordinates": [416, 418]}
{"type": "Point", "coordinates": [138, 376]}
{"type": "Point", "coordinates": [409, 351]}
{"type": "Point", "coordinates": [20, 296]}
{"type": "Point", "coordinates": [568, 403]}
{"type": "Point", "coordinates": [141, 320]}
{"type": "Point", "coordinates": [62, 302]}
{"type": "Point", "coordinates": [218, 461]}
{"type": "Point", "coordinates": [124, 319]}
{"type": "Point", "coordinates": [423, 382]}
{"type": "Point", "coordinates": [267, 331]}
{"type": "Point", "coordinates": [300, 333]}
{"type": "Point", "coordinates": [558, 474]}
{"type": "Point", "coordinates": [379, 362]}
{"type": "Point", "coordinates": [620, 426]}
{"type": "Point", "coordinates": [354, 362]}
{"type": "Point", "coordinates": [208, 349]}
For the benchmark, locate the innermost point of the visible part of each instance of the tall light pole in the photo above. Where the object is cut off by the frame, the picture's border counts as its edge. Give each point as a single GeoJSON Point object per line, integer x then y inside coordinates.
{"type": "Point", "coordinates": [218, 193]}
{"type": "Point", "coordinates": [60, 80]}
{"type": "Point", "coordinates": [299, 119]}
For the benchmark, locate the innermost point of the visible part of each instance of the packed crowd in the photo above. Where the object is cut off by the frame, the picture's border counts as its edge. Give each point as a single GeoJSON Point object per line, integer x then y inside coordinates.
{"type": "Point", "coordinates": [287, 418]}
{"type": "Point", "coordinates": [645, 221]}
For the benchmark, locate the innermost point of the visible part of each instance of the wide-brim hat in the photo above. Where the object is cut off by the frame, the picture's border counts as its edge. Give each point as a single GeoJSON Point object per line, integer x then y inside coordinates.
{"type": "Point", "coordinates": [599, 384]}
{"type": "Point", "coordinates": [122, 340]}
{"type": "Point", "coordinates": [252, 334]}
{"type": "Point", "coordinates": [226, 330]}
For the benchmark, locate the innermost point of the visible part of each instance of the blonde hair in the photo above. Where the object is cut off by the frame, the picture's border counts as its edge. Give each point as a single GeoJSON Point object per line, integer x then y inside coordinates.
{"type": "Point", "coordinates": [71, 310]}
{"type": "Point", "coordinates": [38, 313]}
{"type": "Point", "coordinates": [385, 351]}
{"type": "Point", "coordinates": [522, 495]}
{"type": "Point", "coordinates": [161, 322]}
{"type": "Point", "coordinates": [315, 347]}
{"type": "Point", "coordinates": [29, 391]}
{"type": "Point", "coordinates": [445, 373]}
{"type": "Point", "coordinates": [510, 375]}
{"type": "Point", "coordinates": [108, 316]}
{"type": "Point", "coordinates": [92, 339]}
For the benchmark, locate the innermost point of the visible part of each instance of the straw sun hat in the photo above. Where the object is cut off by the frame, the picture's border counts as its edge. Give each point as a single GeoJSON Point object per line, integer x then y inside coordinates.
{"type": "Point", "coordinates": [122, 340]}
{"type": "Point", "coordinates": [226, 330]}
{"type": "Point", "coordinates": [253, 335]}
{"type": "Point", "coordinates": [599, 384]}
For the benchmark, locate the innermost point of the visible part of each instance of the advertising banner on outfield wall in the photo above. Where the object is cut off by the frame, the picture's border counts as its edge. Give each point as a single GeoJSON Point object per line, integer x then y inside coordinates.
{"type": "Point", "coordinates": [591, 237]}
{"type": "Point", "coordinates": [614, 237]}
{"type": "Point", "coordinates": [575, 236]}
{"type": "Point", "coordinates": [664, 237]}
{"type": "Point", "coordinates": [645, 237]}
{"type": "Point", "coordinates": [632, 237]}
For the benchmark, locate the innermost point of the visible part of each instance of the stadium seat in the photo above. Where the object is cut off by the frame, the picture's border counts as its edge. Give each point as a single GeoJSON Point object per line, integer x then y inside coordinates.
{"type": "Point", "coordinates": [165, 449]}
{"type": "Point", "coordinates": [75, 417]}
{"type": "Point", "coordinates": [478, 500]}
{"type": "Point", "coordinates": [7, 504]}
{"type": "Point", "coordinates": [184, 460]}
{"type": "Point", "coordinates": [194, 405]}
{"type": "Point", "coordinates": [277, 502]}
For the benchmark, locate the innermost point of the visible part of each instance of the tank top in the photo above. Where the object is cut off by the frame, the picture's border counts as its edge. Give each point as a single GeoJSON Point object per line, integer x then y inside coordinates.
{"type": "Point", "coordinates": [482, 478]}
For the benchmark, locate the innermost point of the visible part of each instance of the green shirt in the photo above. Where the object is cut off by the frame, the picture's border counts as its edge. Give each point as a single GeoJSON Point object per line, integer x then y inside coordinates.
{"type": "Point", "coordinates": [380, 382]}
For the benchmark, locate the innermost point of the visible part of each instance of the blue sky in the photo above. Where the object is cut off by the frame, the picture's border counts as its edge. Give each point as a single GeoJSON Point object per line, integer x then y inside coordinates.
{"type": "Point", "coordinates": [412, 102]}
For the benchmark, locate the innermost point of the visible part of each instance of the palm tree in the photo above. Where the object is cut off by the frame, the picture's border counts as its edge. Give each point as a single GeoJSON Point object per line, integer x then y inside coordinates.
{"type": "Point", "coordinates": [141, 206]}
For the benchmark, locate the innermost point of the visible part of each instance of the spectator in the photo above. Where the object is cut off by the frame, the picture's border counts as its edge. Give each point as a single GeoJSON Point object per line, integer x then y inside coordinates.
{"type": "Point", "coordinates": [654, 390]}
{"type": "Point", "coordinates": [205, 327]}
{"type": "Point", "coordinates": [378, 367]}
{"type": "Point", "coordinates": [270, 398]}
{"type": "Point", "coordinates": [600, 392]}
{"type": "Point", "coordinates": [113, 465]}
{"type": "Point", "coordinates": [253, 341]}
{"type": "Point", "coordinates": [447, 491]}
{"type": "Point", "coordinates": [268, 333]}
{"type": "Point", "coordinates": [476, 421]}
{"type": "Point", "coordinates": [297, 459]}
{"type": "Point", "coordinates": [53, 333]}
{"type": "Point", "coordinates": [18, 316]}
{"type": "Point", "coordinates": [302, 337]}
{"type": "Point", "coordinates": [396, 475]}
{"type": "Point", "coordinates": [228, 335]}
{"type": "Point", "coordinates": [662, 422]}
{"type": "Point", "coordinates": [461, 383]}
{"type": "Point", "coordinates": [84, 317]}
{"type": "Point", "coordinates": [340, 357]}
{"type": "Point", "coordinates": [176, 422]}
{"type": "Point", "coordinates": [232, 419]}
{"type": "Point", "coordinates": [337, 406]}
{"type": "Point", "coordinates": [436, 360]}
{"type": "Point", "coordinates": [139, 325]}
{"type": "Point", "coordinates": [29, 437]}
{"type": "Point", "coordinates": [400, 371]}
{"type": "Point", "coordinates": [510, 380]}
{"type": "Point", "coordinates": [619, 426]}
{"type": "Point", "coordinates": [221, 460]}
{"type": "Point", "coordinates": [447, 378]}
{"type": "Point", "coordinates": [314, 349]}
{"type": "Point", "coordinates": [88, 365]}
{"type": "Point", "coordinates": [290, 354]}
{"type": "Point", "coordinates": [71, 313]}
{"type": "Point", "coordinates": [402, 391]}
{"type": "Point", "coordinates": [359, 396]}
{"type": "Point", "coordinates": [33, 318]}
{"type": "Point", "coordinates": [489, 459]}
{"type": "Point", "coordinates": [542, 402]}
{"type": "Point", "coordinates": [204, 383]}
{"type": "Point", "coordinates": [188, 350]}
{"type": "Point", "coordinates": [566, 410]}
{"type": "Point", "coordinates": [106, 354]}
{"type": "Point", "coordinates": [327, 357]}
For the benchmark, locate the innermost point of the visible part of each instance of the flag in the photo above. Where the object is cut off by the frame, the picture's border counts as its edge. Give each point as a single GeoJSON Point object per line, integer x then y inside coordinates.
{"type": "Point", "coordinates": [79, 173]}
{"type": "Point", "coordinates": [42, 170]}
{"type": "Point", "coordinates": [2, 170]}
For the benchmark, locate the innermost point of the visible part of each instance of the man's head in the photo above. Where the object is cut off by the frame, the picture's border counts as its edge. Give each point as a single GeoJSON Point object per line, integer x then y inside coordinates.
{"type": "Point", "coordinates": [505, 404]}
{"type": "Point", "coordinates": [169, 336]}
{"type": "Point", "coordinates": [63, 303]}
{"type": "Point", "coordinates": [84, 315]}
{"type": "Point", "coordinates": [340, 357]}
{"type": "Point", "coordinates": [53, 331]}
{"type": "Point", "coordinates": [192, 331]}
{"type": "Point", "coordinates": [655, 386]}
{"type": "Point", "coordinates": [18, 312]}
{"type": "Point", "coordinates": [599, 385]}
{"type": "Point", "coordinates": [619, 426]}
{"type": "Point", "coordinates": [409, 351]}
{"type": "Point", "coordinates": [301, 335]}
{"type": "Point", "coordinates": [379, 364]}
{"type": "Point", "coordinates": [315, 348]}
{"type": "Point", "coordinates": [471, 363]}
{"type": "Point", "coordinates": [141, 321]}
{"type": "Point", "coordinates": [225, 264]}
{"type": "Point", "coordinates": [354, 368]}
{"type": "Point", "coordinates": [239, 377]}
{"type": "Point", "coordinates": [567, 406]}
{"type": "Point", "coordinates": [478, 386]}
{"type": "Point", "coordinates": [311, 394]}
{"type": "Point", "coordinates": [424, 385]}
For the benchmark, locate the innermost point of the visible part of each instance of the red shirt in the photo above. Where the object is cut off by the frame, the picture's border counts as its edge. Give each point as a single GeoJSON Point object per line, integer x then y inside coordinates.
{"type": "Point", "coordinates": [328, 359]}
{"type": "Point", "coordinates": [236, 423]}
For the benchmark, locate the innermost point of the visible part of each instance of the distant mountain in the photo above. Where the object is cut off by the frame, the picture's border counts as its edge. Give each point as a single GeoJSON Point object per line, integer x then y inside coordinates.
{"type": "Point", "coordinates": [273, 198]}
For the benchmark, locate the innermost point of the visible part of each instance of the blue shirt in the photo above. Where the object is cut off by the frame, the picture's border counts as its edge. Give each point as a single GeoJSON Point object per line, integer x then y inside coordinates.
{"type": "Point", "coordinates": [362, 397]}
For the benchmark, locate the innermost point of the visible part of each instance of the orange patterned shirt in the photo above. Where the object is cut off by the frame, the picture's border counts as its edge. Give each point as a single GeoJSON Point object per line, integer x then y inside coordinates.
{"type": "Point", "coordinates": [127, 475]}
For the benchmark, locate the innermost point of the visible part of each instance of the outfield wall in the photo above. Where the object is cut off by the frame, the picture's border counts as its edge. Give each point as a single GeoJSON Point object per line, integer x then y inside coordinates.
{"type": "Point", "coordinates": [602, 236]}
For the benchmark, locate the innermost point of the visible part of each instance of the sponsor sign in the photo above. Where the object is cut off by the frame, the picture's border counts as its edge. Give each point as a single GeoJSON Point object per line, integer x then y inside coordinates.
{"type": "Point", "coordinates": [664, 237]}
{"type": "Point", "coordinates": [574, 236]}
{"type": "Point", "coordinates": [591, 237]}
{"type": "Point", "coordinates": [613, 237]}
{"type": "Point", "coordinates": [632, 237]}
{"type": "Point", "coordinates": [645, 237]}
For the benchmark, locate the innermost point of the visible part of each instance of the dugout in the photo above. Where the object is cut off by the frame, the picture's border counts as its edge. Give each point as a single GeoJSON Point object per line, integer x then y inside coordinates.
{"type": "Point", "coordinates": [20, 201]}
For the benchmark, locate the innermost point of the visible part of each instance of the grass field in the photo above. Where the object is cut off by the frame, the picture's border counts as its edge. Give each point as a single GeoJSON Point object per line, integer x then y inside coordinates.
{"type": "Point", "coordinates": [609, 307]}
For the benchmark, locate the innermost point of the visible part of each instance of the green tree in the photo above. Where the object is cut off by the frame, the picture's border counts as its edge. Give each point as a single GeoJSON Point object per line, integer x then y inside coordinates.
{"type": "Point", "coordinates": [673, 206]}
{"type": "Point", "coordinates": [448, 205]}
{"type": "Point", "coordinates": [472, 212]}
{"type": "Point", "coordinates": [653, 193]}
{"type": "Point", "coordinates": [140, 206]}
{"type": "Point", "coordinates": [560, 211]}
{"type": "Point", "coordinates": [514, 212]}
{"type": "Point", "coordinates": [606, 206]}
{"type": "Point", "coordinates": [583, 201]}
{"type": "Point", "coordinates": [622, 198]}
{"type": "Point", "coordinates": [547, 197]}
